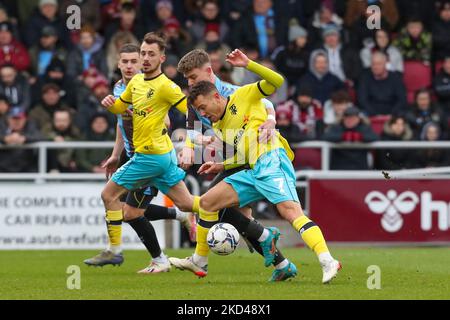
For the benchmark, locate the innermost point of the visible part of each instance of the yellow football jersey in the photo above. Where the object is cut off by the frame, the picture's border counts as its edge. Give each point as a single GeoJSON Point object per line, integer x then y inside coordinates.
{"type": "Point", "coordinates": [239, 124]}
{"type": "Point", "coordinates": [151, 100]}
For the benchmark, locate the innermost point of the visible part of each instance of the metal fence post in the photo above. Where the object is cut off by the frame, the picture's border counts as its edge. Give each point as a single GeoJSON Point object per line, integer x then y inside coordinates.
{"type": "Point", "coordinates": [325, 155]}
{"type": "Point", "coordinates": [42, 161]}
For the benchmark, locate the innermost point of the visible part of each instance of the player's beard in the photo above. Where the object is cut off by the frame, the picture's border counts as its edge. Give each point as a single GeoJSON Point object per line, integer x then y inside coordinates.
{"type": "Point", "coordinates": [150, 72]}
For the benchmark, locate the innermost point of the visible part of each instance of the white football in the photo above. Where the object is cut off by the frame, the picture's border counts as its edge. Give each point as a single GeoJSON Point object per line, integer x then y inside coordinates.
{"type": "Point", "coordinates": [223, 238]}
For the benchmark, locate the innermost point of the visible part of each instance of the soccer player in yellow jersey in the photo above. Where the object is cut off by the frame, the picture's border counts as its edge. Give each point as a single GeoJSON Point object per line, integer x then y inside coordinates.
{"type": "Point", "coordinates": [154, 162]}
{"type": "Point", "coordinates": [195, 67]}
{"type": "Point", "coordinates": [129, 65]}
{"type": "Point", "coordinates": [271, 175]}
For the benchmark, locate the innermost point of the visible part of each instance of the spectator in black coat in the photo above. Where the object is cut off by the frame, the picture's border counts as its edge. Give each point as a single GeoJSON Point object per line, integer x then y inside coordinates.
{"type": "Point", "coordinates": [424, 111]}
{"type": "Point", "coordinates": [42, 113]}
{"type": "Point", "coordinates": [287, 129]}
{"type": "Point", "coordinates": [380, 91]}
{"type": "Point", "coordinates": [352, 129]}
{"type": "Point", "coordinates": [88, 53]}
{"type": "Point", "coordinates": [441, 84]}
{"type": "Point", "coordinates": [433, 157]}
{"type": "Point", "coordinates": [4, 109]}
{"type": "Point", "coordinates": [232, 11]}
{"type": "Point", "coordinates": [61, 129]}
{"type": "Point", "coordinates": [15, 86]}
{"type": "Point", "coordinates": [360, 35]}
{"type": "Point", "coordinates": [91, 105]}
{"type": "Point", "coordinates": [126, 22]}
{"type": "Point", "coordinates": [424, 10]}
{"type": "Point", "coordinates": [47, 49]}
{"type": "Point", "coordinates": [323, 18]}
{"type": "Point", "coordinates": [18, 131]}
{"type": "Point", "coordinates": [154, 12]}
{"type": "Point", "coordinates": [441, 33]}
{"type": "Point", "coordinates": [396, 129]}
{"type": "Point", "coordinates": [292, 60]}
{"type": "Point", "coordinates": [344, 61]}
{"type": "Point", "coordinates": [319, 79]}
{"type": "Point", "coordinates": [209, 18]}
{"type": "Point", "coordinates": [56, 74]}
{"type": "Point", "coordinates": [90, 160]}
{"type": "Point", "coordinates": [46, 15]}
{"type": "Point", "coordinates": [262, 28]}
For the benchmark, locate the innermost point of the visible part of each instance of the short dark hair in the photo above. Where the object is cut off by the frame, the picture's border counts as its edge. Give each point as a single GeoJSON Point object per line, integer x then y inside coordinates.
{"type": "Point", "coordinates": [420, 91]}
{"type": "Point", "coordinates": [65, 109]}
{"type": "Point", "coordinates": [201, 88]}
{"type": "Point", "coordinates": [414, 19]}
{"type": "Point", "coordinates": [4, 98]}
{"type": "Point", "coordinates": [129, 48]}
{"type": "Point", "coordinates": [340, 96]}
{"type": "Point", "coordinates": [153, 37]}
{"type": "Point", "coordinates": [395, 118]}
{"type": "Point", "coordinates": [128, 7]}
{"type": "Point", "coordinates": [196, 58]}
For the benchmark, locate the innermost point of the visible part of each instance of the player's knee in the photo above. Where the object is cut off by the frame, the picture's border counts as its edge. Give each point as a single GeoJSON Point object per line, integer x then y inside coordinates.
{"type": "Point", "coordinates": [107, 197]}
{"type": "Point", "coordinates": [131, 213]}
{"type": "Point", "coordinates": [207, 204]}
{"type": "Point", "coordinates": [289, 210]}
{"type": "Point", "coordinates": [185, 205]}
{"type": "Point", "coordinates": [247, 212]}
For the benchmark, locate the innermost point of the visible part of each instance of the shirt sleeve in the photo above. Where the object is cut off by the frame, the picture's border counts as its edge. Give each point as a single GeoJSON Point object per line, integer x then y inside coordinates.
{"type": "Point", "coordinates": [252, 92]}
{"type": "Point", "coordinates": [175, 97]}
{"type": "Point", "coordinates": [271, 80]}
{"type": "Point", "coordinates": [125, 99]}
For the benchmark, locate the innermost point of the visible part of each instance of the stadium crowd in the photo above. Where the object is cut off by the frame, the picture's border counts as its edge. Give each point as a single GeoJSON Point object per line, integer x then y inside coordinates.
{"type": "Point", "coordinates": [344, 81]}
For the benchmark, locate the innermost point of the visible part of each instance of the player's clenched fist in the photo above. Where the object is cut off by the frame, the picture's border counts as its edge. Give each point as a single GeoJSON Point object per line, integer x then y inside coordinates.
{"type": "Point", "coordinates": [108, 101]}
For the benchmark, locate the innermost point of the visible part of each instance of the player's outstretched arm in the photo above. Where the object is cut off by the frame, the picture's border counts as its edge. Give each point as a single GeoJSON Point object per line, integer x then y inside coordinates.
{"type": "Point", "coordinates": [271, 79]}
{"type": "Point", "coordinates": [113, 105]}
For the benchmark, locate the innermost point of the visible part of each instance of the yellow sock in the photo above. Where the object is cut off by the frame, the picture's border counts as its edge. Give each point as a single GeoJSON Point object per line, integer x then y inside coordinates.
{"type": "Point", "coordinates": [206, 221]}
{"type": "Point", "coordinates": [114, 224]}
{"type": "Point", "coordinates": [202, 248]}
{"type": "Point", "coordinates": [196, 205]}
{"type": "Point", "coordinates": [311, 234]}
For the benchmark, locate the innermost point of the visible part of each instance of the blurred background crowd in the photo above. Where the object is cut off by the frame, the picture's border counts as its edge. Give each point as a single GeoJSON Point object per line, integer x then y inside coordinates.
{"type": "Point", "coordinates": [345, 82]}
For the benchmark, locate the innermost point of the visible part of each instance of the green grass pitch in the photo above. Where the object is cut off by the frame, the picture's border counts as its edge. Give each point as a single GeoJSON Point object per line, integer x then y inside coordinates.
{"type": "Point", "coordinates": [406, 273]}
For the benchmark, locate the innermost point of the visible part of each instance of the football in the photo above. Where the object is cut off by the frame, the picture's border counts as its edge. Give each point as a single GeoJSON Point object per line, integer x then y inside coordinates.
{"type": "Point", "coordinates": [223, 239]}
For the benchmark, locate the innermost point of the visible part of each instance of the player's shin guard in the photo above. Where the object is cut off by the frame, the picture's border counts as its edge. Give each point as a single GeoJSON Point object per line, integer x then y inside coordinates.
{"type": "Point", "coordinates": [114, 225]}
{"type": "Point", "coordinates": [311, 234]}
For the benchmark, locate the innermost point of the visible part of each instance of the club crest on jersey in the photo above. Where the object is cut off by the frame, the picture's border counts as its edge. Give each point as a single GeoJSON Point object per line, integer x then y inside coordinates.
{"type": "Point", "coordinates": [233, 109]}
{"type": "Point", "coordinates": [150, 93]}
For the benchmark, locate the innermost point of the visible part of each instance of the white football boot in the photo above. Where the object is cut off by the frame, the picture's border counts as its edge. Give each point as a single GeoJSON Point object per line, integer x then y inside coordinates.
{"type": "Point", "coordinates": [330, 270]}
{"type": "Point", "coordinates": [156, 267]}
{"type": "Point", "coordinates": [188, 264]}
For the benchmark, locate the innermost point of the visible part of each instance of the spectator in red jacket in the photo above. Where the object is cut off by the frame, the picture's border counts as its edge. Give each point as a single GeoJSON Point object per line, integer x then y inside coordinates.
{"type": "Point", "coordinates": [11, 50]}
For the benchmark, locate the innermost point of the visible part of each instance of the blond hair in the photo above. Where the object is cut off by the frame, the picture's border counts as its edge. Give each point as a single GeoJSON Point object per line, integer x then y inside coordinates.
{"type": "Point", "coordinates": [194, 59]}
